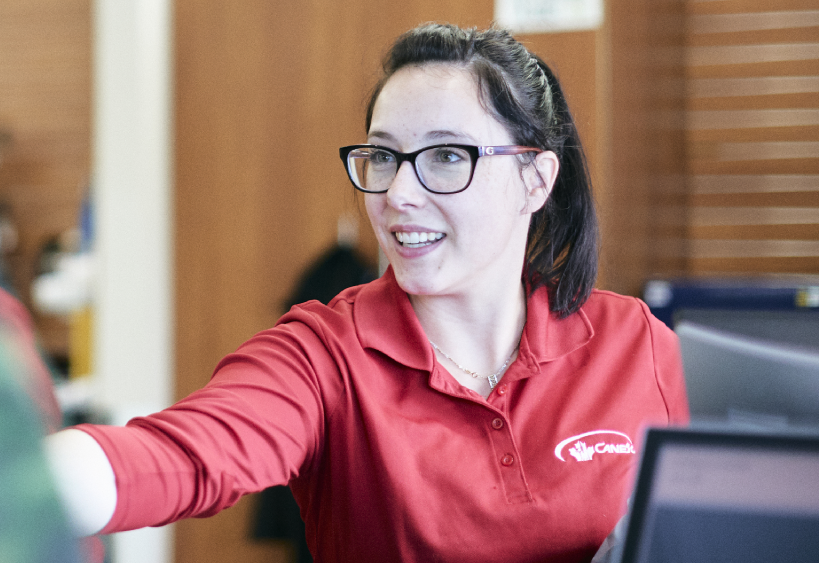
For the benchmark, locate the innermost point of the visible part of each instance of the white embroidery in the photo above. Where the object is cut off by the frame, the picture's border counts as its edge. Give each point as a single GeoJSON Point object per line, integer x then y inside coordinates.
{"type": "Point", "coordinates": [583, 452]}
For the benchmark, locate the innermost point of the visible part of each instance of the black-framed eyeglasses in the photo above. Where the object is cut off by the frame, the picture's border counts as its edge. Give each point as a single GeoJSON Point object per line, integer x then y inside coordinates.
{"type": "Point", "coordinates": [441, 169]}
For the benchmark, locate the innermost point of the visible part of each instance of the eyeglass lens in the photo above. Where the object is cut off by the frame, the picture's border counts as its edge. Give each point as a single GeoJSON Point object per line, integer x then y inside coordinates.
{"type": "Point", "coordinates": [440, 169]}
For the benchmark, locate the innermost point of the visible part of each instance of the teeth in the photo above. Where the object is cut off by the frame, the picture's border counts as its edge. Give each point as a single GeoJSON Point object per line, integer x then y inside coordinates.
{"type": "Point", "coordinates": [417, 239]}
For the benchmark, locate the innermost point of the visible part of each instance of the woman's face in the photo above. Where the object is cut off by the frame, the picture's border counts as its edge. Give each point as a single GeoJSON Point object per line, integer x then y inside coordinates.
{"type": "Point", "coordinates": [472, 241]}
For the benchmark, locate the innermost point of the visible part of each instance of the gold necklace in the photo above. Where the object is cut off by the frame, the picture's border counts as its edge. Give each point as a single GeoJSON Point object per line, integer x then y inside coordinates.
{"type": "Point", "coordinates": [492, 377]}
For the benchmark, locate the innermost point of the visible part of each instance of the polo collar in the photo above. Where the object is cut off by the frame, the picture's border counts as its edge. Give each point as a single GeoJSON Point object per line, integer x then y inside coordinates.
{"type": "Point", "coordinates": [546, 337]}
{"type": "Point", "coordinates": [385, 321]}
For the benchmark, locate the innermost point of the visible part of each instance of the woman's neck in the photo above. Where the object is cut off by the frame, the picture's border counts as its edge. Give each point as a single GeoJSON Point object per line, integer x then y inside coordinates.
{"type": "Point", "coordinates": [477, 332]}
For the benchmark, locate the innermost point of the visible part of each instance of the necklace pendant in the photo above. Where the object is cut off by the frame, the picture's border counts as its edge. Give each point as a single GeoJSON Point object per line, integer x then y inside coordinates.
{"type": "Point", "coordinates": [493, 380]}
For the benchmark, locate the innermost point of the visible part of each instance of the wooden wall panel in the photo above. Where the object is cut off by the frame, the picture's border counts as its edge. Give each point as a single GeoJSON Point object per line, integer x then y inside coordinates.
{"type": "Point", "coordinates": [575, 57]}
{"type": "Point", "coordinates": [232, 112]}
{"type": "Point", "coordinates": [752, 137]}
{"type": "Point", "coordinates": [642, 205]}
{"type": "Point", "coordinates": [45, 104]}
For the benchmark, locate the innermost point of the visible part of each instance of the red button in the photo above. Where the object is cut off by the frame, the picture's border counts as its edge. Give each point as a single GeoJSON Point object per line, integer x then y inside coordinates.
{"type": "Point", "coordinates": [508, 460]}
{"type": "Point", "coordinates": [497, 424]}
{"type": "Point", "coordinates": [502, 389]}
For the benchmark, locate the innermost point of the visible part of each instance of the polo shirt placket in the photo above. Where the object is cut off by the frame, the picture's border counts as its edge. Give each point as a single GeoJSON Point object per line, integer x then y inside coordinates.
{"type": "Point", "coordinates": [507, 454]}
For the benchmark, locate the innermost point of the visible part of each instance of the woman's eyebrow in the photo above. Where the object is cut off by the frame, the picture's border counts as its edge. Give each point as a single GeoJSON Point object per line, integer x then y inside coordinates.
{"type": "Point", "coordinates": [380, 135]}
{"type": "Point", "coordinates": [436, 135]}
{"type": "Point", "coordinates": [448, 134]}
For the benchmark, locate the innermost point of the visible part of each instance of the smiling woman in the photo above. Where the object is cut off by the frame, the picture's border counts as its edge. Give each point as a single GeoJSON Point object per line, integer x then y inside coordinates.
{"type": "Point", "coordinates": [398, 449]}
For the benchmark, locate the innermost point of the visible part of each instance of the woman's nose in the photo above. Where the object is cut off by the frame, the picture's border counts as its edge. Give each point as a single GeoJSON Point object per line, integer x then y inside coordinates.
{"type": "Point", "coordinates": [406, 187]}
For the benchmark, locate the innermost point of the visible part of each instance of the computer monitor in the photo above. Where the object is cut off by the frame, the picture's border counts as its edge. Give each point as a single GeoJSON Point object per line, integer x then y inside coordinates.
{"type": "Point", "coordinates": [747, 380]}
{"type": "Point", "coordinates": [795, 327]}
{"type": "Point", "coordinates": [725, 497]}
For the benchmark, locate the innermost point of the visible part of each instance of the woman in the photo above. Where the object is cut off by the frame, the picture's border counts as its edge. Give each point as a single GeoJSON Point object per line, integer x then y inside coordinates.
{"type": "Point", "coordinates": [479, 402]}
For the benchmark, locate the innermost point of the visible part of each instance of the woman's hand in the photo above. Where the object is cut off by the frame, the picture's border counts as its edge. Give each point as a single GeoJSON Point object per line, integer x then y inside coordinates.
{"type": "Point", "coordinates": [84, 480]}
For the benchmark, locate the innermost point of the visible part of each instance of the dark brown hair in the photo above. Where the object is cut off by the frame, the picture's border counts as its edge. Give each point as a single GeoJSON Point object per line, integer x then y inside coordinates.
{"type": "Point", "coordinates": [522, 92]}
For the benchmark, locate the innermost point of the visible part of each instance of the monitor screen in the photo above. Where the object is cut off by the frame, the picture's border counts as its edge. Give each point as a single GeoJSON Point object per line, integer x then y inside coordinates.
{"type": "Point", "coordinates": [749, 380]}
{"type": "Point", "coordinates": [795, 327]}
{"type": "Point", "coordinates": [725, 497]}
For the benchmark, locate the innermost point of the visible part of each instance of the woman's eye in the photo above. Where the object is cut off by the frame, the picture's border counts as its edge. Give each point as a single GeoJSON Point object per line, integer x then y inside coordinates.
{"type": "Point", "coordinates": [448, 156]}
{"type": "Point", "coordinates": [381, 157]}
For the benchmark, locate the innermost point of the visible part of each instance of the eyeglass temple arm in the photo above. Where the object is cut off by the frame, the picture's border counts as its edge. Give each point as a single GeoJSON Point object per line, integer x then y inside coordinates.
{"type": "Point", "coordinates": [505, 150]}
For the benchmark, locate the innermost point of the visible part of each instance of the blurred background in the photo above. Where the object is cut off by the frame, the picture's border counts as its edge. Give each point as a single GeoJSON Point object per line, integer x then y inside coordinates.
{"type": "Point", "coordinates": [169, 170]}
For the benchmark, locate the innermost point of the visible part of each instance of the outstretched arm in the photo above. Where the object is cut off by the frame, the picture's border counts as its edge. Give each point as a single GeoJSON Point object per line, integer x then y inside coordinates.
{"type": "Point", "coordinates": [259, 422]}
{"type": "Point", "coordinates": [84, 479]}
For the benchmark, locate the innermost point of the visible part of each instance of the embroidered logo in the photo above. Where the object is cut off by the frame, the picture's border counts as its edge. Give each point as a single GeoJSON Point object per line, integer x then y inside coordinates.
{"type": "Point", "coordinates": [581, 451]}
{"type": "Point", "coordinates": [610, 442]}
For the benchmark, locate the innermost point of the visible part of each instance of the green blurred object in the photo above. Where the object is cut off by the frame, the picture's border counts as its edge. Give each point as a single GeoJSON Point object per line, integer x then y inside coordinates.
{"type": "Point", "coordinates": [33, 528]}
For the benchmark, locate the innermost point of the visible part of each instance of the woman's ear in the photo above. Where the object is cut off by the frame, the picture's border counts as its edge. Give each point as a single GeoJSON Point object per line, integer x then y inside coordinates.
{"type": "Point", "coordinates": [539, 178]}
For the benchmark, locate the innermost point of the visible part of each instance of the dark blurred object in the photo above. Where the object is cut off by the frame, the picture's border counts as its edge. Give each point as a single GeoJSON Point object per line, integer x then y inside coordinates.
{"type": "Point", "coordinates": [332, 273]}
{"type": "Point", "coordinates": [278, 514]}
{"type": "Point", "coordinates": [667, 298]}
{"type": "Point", "coordinates": [8, 244]}
{"type": "Point", "coordinates": [5, 142]}
{"type": "Point", "coordinates": [8, 229]}
{"type": "Point", "coordinates": [278, 518]}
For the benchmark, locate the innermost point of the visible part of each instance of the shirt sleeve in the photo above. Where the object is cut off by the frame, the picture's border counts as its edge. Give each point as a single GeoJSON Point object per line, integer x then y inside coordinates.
{"type": "Point", "coordinates": [668, 369]}
{"type": "Point", "coordinates": [258, 423]}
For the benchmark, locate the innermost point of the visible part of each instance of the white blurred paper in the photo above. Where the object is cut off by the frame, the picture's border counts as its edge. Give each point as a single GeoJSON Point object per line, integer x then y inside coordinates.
{"type": "Point", "coordinates": [539, 16]}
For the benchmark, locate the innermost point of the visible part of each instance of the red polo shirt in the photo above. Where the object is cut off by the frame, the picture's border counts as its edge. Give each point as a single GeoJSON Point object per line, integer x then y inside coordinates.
{"type": "Point", "coordinates": [389, 457]}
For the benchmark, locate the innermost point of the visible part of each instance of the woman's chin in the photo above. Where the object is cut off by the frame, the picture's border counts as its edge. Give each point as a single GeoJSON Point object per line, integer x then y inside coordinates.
{"type": "Point", "coordinates": [415, 284]}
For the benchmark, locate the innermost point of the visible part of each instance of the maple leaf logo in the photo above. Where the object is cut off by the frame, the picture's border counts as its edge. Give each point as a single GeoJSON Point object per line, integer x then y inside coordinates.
{"type": "Point", "coordinates": [581, 452]}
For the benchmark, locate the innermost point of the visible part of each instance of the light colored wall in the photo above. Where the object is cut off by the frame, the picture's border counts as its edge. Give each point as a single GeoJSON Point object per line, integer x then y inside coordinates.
{"type": "Point", "coordinates": [132, 170]}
